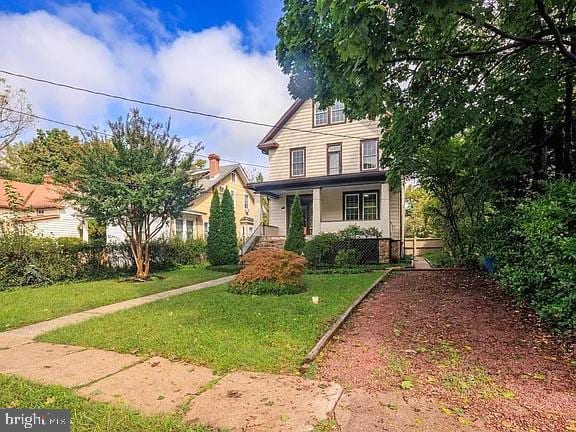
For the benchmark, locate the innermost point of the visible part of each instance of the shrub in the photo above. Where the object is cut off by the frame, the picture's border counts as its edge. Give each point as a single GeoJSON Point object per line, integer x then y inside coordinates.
{"type": "Point", "coordinates": [347, 257]}
{"type": "Point", "coordinates": [214, 234]}
{"type": "Point", "coordinates": [270, 271]}
{"type": "Point", "coordinates": [321, 249]}
{"type": "Point", "coordinates": [295, 241]}
{"type": "Point", "coordinates": [533, 248]}
{"type": "Point", "coordinates": [228, 239]}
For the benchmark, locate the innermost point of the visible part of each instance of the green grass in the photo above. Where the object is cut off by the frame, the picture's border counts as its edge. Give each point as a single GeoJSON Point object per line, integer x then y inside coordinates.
{"type": "Point", "coordinates": [438, 259]}
{"type": "Point", "coordinates": [222, 330]}
{"type": "Point", "coordinates": [86, 416]}
{"type": "Point", "coordinates": [24, 306]}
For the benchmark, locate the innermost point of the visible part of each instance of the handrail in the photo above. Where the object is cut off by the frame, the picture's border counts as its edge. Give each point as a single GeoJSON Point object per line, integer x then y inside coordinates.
{"type": "Point", "coordinates": [251, 239]}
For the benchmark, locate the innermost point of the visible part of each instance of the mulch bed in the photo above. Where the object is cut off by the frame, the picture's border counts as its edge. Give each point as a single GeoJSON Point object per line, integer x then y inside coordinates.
{"type": "Point", "coordinates": [457, 339]}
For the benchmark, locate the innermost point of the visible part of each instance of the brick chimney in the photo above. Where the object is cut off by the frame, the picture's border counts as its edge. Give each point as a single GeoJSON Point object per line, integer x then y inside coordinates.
{"type": "Point", "coordinates": [47, 179]}
{"type": "Point", "coordinates": [214, 164]}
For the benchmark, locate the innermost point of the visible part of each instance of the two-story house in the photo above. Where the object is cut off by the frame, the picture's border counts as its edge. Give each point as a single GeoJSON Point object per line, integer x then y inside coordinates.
{"type": "Point", "coordinates": [333, 165]}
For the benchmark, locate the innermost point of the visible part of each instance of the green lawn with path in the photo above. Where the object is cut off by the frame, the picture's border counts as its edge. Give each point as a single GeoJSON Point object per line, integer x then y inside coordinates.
{"type": "Point", "coordinates": [24, 306]}
{"type": "Point", "coordinates": [86, 416]}
{"type": "Point", "coordinates": [225, 331]}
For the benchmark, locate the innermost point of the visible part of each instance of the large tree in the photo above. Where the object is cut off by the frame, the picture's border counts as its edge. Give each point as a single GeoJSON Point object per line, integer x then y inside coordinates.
{"type": "Point", "coordinates": [475, 98]}
{"type": "Point", "coordinates": [52, 152]}
{"type": "Point", "coordinates": [136, 178]}
{"type": "Point", "coordinates": [15, 114]}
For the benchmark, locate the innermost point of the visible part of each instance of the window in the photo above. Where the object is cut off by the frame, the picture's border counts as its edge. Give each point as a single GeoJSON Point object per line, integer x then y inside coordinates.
{"type": "Point", "coordinates": [330, 115]}
{"type": "Point", "coordinates": [334, 159]}
{"type": "Point", "coordinates": [246, 202]}
{"type": "Point", "coordinates": [297, 162]}
{"type": "Point", "coordinates": [337, 112]}
{"type": "Point", "coordinates": [190, 229]}
{"type": "Point", "coordinates": [233, 177]}
{"type": "Point", "coordinates": [361, 206]}
{"type": "Point", "coordinates": [351, 206]}
{"type": "Point", "coordinates": [206, 228]}
{"type": "Point", "coordinates": [233, 199]}
{"type": "Point", "coordinates": [179, 228]}
{"type": "Point", "coordinates": [221, 189]}
{"type": "Point", "coordinates": [369, 154]}
{"type": "Point", "coordinates": [370, 206]}
{"type": "Point", "coordinates": [320, 115]}
{"type": "Point", "coordinates": [250, 229]}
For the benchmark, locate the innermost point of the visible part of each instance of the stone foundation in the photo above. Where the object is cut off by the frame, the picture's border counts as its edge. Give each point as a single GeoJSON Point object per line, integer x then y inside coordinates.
{"type": "Point", "coordinates": [389, 251]}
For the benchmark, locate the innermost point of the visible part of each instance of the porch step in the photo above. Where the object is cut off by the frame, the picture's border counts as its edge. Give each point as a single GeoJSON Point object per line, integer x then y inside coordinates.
{"type": "Point", "coordinates": [269, 242]}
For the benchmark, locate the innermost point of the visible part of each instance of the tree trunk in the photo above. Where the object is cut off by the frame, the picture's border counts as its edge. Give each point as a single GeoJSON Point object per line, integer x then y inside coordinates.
{"type": "Point", "coordinates": [566, 169]}
{"type": "Point", "coordinates": [539, 163]}
{"type": "Point", "coordinates": [141, 256]}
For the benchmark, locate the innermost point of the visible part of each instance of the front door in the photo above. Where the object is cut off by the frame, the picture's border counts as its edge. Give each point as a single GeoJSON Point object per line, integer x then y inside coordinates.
{"type": "Point", "coordinates": [306, 203]}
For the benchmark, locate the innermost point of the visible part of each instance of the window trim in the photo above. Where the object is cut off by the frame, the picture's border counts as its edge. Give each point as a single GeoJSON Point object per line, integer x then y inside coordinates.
{"type": "Point", "coordinates": [328, 158]}
{"type": "Point", "coordinates": [328, 113]}
{"type": "Point", "coordinates": [361, 204]}
{"type": "Point", "coordinates": [362, 154]}
{"type": "Point", "coordinates": [246, 202]}
{"type": "Point", "coordinates": [292, 150]}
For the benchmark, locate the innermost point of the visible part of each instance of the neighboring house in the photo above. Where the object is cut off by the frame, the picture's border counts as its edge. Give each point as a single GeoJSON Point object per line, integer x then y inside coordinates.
{"type": "Point", "coordinates": [194, 221]}
{"type": "Point", "coordinates": [40, 207]}
{"type": "Point", "coordinates": [335, 171]}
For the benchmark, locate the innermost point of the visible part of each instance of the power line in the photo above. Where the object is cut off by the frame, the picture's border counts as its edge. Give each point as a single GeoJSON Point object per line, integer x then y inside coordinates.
{"type": "Point", "coordinates": [171, 108]}
{"type": "Point", "coordinates": [62, 123]}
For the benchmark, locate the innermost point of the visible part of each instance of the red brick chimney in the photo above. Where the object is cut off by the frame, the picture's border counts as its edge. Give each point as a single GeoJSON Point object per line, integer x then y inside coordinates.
{"type": "Point", "coordinates": [47, 179]}
{"type": "Point", "coordinates": [214, 164]}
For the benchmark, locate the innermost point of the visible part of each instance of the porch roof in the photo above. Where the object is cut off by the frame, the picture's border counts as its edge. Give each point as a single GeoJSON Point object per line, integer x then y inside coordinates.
{"type": "Point", "coordinates": [278, 186]}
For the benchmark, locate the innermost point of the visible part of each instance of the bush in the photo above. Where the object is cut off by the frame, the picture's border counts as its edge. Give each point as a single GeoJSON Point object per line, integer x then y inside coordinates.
{"type": "Point", "coordinates": [533, 248]}
{"type": "Point", "coordinates": [270, 271]}
{"type": "Point", "coordinates": [320, 249]}
{"type": "Point", "coordinates": [347, 257]}
{"type": "Point", "coordinates": [228, 240]}
{"type": "Point", "coordinates": [295, 241]}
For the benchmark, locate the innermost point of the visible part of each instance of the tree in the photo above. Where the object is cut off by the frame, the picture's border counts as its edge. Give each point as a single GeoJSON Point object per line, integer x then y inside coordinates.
{"type": "Point", "coordinates": [229, 241]}
{"type": "Point", "coordinates": [475, 98]}
{"type": "Point", "coordinates": [295, 240]}
{"type": "Point", "coordinates": [214, 240]}
{"type": "Point", "coordinates": [52, 152]}
{"type": "Point", "coordinates": [15, 114]}
{"type": "Point", "coordinates": [137, 178]}
{"type": "Point", "coordinates": [421, 209]}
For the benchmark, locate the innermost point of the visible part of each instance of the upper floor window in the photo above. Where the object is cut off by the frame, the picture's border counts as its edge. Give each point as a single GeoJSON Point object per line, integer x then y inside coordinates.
{"type": "Point", "coordinates": [334, 159]}
{"type": "Point", "coordinates": [369, 154]}
{"type": "Point", "coordinates": [329, 115]}
{"type": "Point", "coordinates": [297, 162]}
{"type": "Point", "coordinates": [233, 177]}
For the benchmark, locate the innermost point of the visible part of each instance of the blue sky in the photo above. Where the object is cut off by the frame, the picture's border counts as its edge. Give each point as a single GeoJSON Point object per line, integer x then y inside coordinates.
{"type": "Point", "coordinates": [214, 56]}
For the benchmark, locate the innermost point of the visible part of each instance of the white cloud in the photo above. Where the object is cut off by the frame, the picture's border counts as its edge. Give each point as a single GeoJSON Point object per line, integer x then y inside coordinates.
{"type": "Point", "coordinates": [207, 71]}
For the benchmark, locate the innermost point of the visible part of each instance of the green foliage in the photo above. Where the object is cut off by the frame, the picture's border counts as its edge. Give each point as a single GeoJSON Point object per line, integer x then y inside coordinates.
{"type": "Point", "coordinates": [438, 259]}
{"type": "Point", "coordinates": [214, 233]}
{"type": "Point", "coordinates": [347, 257]}
{"type": "Point", "coordinates": [189, 251]}
{"type": "Point", "coordinates": [318, 249]}
{"type": "Point", "coordinates": [264, 287]}
{"type": "Point", "coordinates": [138, 179]}
{"type": "Point", "coordinates": [228, 240]}
{"type": "Point", "coordinates": [52, 152]}
{"type": "Point", "coordinates": [295, 240]}
{"type": "Point", "coordinates": [421, 213]}
{"type": "Point", "coordinates": [533, 248]}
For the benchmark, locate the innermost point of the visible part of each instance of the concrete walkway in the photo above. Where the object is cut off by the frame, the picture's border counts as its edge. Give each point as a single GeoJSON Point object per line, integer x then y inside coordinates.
{"type": "Point", "coordinates": [37, 329]}
{"type": "Point", "coordinates": [240, 401]}
{"type": "Point", "coordinates": [421, 264]}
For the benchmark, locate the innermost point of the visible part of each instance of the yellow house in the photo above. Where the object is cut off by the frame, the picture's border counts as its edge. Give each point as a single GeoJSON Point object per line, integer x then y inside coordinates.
{"type": "Point", "coordinates": [195, 220]}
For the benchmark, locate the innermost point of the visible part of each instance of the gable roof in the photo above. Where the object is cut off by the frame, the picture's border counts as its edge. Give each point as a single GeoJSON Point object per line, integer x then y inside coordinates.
{"type": "Point", "coordinates": [35, 196]}
{"type": "Point", "coordinates": [268, 143]}
{"type": "Point", "coordinates": [208, 183]}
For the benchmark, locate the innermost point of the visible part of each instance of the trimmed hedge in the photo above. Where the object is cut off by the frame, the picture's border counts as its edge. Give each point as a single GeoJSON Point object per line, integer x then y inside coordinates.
{"type": "Point", "coordinates": [270, 271]}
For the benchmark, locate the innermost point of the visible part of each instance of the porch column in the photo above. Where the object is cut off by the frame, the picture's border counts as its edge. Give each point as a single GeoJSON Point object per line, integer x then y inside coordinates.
{"type": "Point", "coordinates": [385, 209]}
{"type": "Point", "coordinates": [258, 210]}
{"type": "Point", "coordinates": [184, 228]}
{"type": "Point", "coordinates": [316, 215]}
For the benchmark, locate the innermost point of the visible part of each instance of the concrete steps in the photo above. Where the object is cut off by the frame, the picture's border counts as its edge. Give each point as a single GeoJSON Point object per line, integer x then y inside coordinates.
{"type": "Point", "coordinates": [269, 242]}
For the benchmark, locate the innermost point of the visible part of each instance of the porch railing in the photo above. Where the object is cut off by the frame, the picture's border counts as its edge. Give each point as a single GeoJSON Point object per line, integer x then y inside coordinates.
{"type": "Point", "coordinates": [261, 230]}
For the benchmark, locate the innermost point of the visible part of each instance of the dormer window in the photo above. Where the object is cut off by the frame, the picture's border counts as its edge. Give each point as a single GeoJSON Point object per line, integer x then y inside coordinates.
{"type": "Point", "coordinates": [330, 115]}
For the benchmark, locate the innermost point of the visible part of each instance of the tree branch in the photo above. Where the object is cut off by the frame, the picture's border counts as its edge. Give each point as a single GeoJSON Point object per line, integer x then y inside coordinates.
{"type": "Point", "coordinates": [555, 32]}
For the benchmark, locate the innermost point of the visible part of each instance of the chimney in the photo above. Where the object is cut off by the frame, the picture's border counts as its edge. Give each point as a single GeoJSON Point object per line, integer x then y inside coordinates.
{"type": "Point", "coordinates": [47, 179]}
{"type": "Point", "coordinates": [214, 164]}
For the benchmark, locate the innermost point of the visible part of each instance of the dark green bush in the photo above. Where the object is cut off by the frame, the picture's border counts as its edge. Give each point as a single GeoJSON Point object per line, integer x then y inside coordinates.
{"type": "Point", "coordinates": [295, 240]}
{"type": "Point", "coordinates": [321, 249]}
{"type": "Point", "coordinates": [533, 251]}
{"type": "Point", "coordinates": [347, 257]}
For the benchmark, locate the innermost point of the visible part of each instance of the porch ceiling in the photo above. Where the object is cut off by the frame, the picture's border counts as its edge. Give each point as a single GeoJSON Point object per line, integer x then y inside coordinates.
{"type": "Point", "coordinates": [280, 186]}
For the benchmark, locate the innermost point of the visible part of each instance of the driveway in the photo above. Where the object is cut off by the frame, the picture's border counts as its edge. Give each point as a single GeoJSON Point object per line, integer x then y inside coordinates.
{"type": "Point", "coordinates": [449, 351]}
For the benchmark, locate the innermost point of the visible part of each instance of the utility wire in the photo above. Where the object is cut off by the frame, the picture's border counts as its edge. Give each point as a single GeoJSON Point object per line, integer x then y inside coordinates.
{"type": "Point", "coordinates": [59, 122]}
{"type": "Point", "coordinates": [171, 108]}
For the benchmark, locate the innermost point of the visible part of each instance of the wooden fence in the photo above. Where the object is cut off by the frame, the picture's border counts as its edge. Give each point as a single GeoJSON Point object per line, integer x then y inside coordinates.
{"type": "Point", "coordinates": [423, 245]}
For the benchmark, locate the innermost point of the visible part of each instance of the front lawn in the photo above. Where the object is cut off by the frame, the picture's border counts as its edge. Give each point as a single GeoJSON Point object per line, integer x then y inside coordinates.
{"type": "Point", "coordinates": [225, 331]}
{"type": "Point", "coordinates": [86, 416]}
{"type": "Point", "coordinates": [24, 306]}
